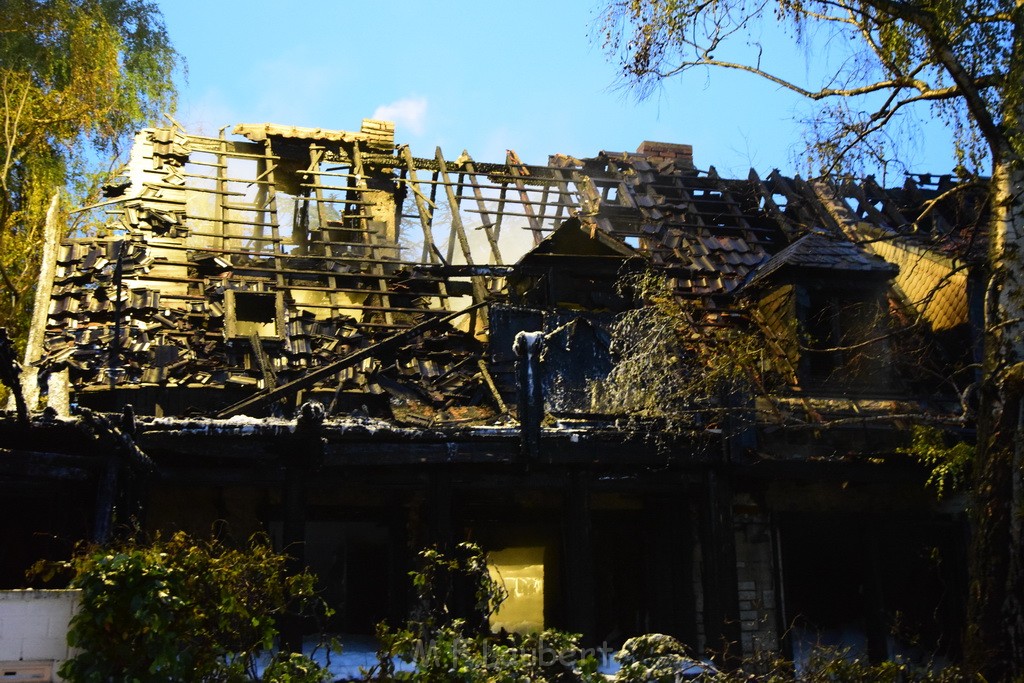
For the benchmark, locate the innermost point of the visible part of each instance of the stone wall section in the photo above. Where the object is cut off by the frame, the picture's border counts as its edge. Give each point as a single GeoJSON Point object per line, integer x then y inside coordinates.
{"type": "Point", "coordinates": [755, 568]}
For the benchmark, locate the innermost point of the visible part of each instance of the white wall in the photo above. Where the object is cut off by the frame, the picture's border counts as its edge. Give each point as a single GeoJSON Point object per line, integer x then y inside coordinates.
{"type": "Point", "coordinates": [34, 628]}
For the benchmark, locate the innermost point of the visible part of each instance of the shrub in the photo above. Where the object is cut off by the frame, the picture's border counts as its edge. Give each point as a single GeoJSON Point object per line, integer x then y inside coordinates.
{"type": "Point", "coordinates": [837, 665]}
{"type": "Point", "coordinates": [184, 610]}
{"type": "Point", "coordinates": [655, 657]}
{"type": "Point", "coordinates": [447, 637]}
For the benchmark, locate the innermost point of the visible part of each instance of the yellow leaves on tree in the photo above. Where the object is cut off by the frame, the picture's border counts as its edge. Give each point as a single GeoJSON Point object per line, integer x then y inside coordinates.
{"type": "Point", "coordinates": [77, 77]}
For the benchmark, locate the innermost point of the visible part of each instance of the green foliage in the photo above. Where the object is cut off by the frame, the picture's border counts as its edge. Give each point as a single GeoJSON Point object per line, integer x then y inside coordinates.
{"type": "Point", "coordinates": [292, 667]}
{"type": "Point", "coordinates": [672, 363]}
{"type": "Point", "coordinates": [184, 610]}
{"type": "Point", "coordinates": [839, 665]}
{"type": "Point", "coordinates": [441, 645]}
{"type": "Point", "coordinates": [455, 587]}
{"type": "Point", "coordinates": [77, 77]}
{"type": "Point", "coordinates": [550, 656]}
{"type": "Point", "coordinates": [655, 657]}
{"type": "Point", "coordinates": [878, 67]}
{"type": "Point", "coordinates": [658, 657]}
{"type": "Point", "coordinates": [950, 465]}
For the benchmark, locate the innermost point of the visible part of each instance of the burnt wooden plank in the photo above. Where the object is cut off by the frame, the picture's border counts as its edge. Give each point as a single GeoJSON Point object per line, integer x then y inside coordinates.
{"type": "Point", "coordinates": [314, 376]}
{"type": "Point", "coordinates": [20, 464]}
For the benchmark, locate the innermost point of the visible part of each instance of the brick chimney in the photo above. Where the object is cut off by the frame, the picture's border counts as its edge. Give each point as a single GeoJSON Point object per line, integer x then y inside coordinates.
{"type": "Point", "coordinates": [658, 153]}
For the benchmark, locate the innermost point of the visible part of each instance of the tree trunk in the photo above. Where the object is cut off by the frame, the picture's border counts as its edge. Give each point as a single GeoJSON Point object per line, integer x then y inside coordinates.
{"type": "Point", "coordinates": [994, 638]}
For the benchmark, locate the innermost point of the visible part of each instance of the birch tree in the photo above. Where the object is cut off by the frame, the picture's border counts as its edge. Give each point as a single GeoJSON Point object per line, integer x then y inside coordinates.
{"type": "Point", "coordinates": [77, 77]}
{"type": "Point", "coordinates": [961, 61]}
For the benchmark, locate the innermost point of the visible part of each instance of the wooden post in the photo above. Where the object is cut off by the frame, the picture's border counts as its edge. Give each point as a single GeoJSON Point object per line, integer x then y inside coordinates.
{"type": "Point", "coordinates": [579, 558]}
{"type": "Point", "coordinates": [307, 453]}
{"type": "Point", "coordinates": [439, 502]}
{"type": "Point", "coordinates": [368, 230]}
{"type": "Point", "coordinates": [720, 580]}
{"type": "Point", "coordinates": [669, 567]}
{"type": "Point", "coordinates": [874, 603]}
{"type": "Point", "coordinates": [528, 347]}
{"type": "Point", "coordinates": [518, 172]}
{"type": "Point", "coordinates": [399, 530]}
{"type": "Point", "coordinates": [293, 541]}
{"type": "Point", "coordinates": [458, 231]}
{"type": "Point", "coordinates": [106, 500]}
{"type": "Point", "coordinates": [485, 217]}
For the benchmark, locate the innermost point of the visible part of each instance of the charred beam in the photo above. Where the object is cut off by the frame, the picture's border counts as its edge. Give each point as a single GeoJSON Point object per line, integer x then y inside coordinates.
{"type": "Point", "coordinates": [314, 376]}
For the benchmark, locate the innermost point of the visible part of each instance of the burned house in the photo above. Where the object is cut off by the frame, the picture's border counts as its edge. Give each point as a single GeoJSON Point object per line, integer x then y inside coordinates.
{"type": "Point", "coordinates": [320, 335]}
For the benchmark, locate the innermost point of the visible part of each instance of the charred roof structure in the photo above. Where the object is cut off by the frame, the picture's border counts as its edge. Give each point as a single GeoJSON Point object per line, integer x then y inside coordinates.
{"type": "Point", "coordinates": [319, 334]}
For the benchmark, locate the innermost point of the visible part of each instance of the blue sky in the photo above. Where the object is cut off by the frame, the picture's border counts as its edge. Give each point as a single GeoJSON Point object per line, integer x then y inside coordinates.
{"type": "Point", "coordinates": [484, 76]}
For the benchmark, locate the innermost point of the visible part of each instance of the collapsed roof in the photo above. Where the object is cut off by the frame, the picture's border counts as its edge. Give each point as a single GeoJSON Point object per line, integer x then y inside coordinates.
{"type": "Point", "coordinates": [247, 276]}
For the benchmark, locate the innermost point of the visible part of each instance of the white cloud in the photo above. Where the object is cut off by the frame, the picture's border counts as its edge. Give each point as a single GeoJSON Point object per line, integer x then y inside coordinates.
{"type": "Point", "coordinates": [408, 112]}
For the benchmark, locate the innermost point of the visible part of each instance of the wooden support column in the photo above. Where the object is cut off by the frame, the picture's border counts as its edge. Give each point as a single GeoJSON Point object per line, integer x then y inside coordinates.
{"type": "Point", "coordinates": [268, 210]}
{"type": "Point", "coordinates": [293, 541]}
{"type": "Point", "coordinates": [718, 542]}
{"type": "Point", "coordinates": [369, 231]}
{"type": "Point", "coordinates": [579, 558]}
{"type": "Point", "coordinates": [518, 171]}
{"type": "Point", "coordinates": [424, 208]}
{"type": "Point", "coordinates": [106, 500]}
{"type": "Point", "coordinates": [439, 504]}
{"type": "Point", "coordinates": [720, 581]}
{"type": "Point", "coordinates": [528, 347]}
{"type": "Point", "coordinates": [322, 235]}
{"type": "Point", "coordinates": [399, 566]}
{"type": "Point", "coordinates": [222, 241]}
{"type": "Point", "coordinates": [485, 218]}
{"type": "Point", "coordinates": [874, 602]}
{"type": "Point", "coordinates": [293, 495]}
{"type": "Point", "coordinates": [480, 292]}
{"type": "Point", "coordinates": [303, 454]}
{"type": "Point", "coordinates": [669, 567]}
{"type": "Point", "coordinates": [120, 485]}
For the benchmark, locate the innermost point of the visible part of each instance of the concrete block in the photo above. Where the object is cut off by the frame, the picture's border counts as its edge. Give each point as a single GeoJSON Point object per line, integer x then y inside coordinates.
{"type": "Point", "coordinates": [10, 647]}
{"type": "Point", "coordinates": [44, 648]}
{"type": "Point", "coordinates": [57, 626]}
{"type": "Point", "coordinates": [15, 607]}
{"type": "Point", "coordinates": [747, 586]}
{"type": "Point", "coordinates": [26, 627]}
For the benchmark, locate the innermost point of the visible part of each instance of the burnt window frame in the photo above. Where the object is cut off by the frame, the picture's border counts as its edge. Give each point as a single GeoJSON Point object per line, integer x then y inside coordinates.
{"type": "Point", "coordinates": [231, 319]}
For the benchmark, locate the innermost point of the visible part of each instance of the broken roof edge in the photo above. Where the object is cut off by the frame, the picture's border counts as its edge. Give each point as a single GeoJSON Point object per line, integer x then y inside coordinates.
{"type": "Point", "coordinates": [372, 130]}
{"type": "Point", "coordinates": [575, 227]}
{"type": "Point", "coordinates": [848, 256]}
{"type": "Point", "coordinates": [871, 235]}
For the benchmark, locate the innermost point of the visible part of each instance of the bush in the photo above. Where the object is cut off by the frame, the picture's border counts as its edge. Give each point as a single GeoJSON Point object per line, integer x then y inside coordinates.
{"type": "Point", "coordinates": [656, 657]}
{"type": "Point", "coordinates": [448, 638]}
{"type": "Point", "coordinates": [184, 610]}
{"type": "Point", "coordinates": [837, 665]}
